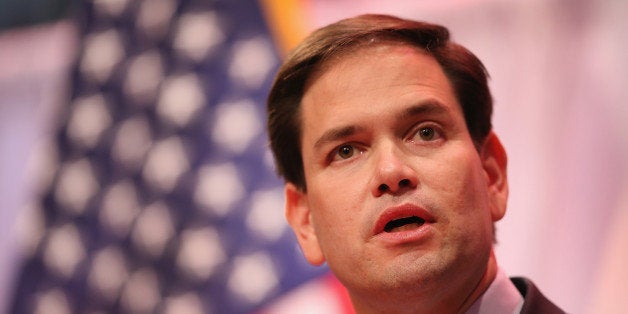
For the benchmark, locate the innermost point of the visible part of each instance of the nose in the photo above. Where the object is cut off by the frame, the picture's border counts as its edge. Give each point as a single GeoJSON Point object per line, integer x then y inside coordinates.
{"type": "Point", "coordinates": [393, 173]}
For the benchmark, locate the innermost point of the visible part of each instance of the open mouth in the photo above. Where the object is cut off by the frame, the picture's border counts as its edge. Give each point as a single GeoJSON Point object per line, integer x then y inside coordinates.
{"type": "Point", "coordinates": [404, 224]}
{"type": "Point", "coordinates": [402, 220]}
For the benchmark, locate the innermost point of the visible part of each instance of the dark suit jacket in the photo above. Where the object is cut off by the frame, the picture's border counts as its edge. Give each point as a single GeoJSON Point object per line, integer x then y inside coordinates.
{"type": "Point", "coordinates": [534, 302]}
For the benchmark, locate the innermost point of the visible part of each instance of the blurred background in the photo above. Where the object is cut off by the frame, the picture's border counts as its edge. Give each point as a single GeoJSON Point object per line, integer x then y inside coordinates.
{"type": "Point", "coordinates": [135, 174]}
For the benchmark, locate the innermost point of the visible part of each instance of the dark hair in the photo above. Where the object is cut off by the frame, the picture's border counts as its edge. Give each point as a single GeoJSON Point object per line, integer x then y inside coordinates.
{"type": "Point", "coordinates": [464, 70]}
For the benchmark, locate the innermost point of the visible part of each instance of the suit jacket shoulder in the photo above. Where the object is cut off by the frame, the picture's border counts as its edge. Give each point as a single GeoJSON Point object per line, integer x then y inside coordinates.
{"type": "Point", "coordinates": [534, 301]}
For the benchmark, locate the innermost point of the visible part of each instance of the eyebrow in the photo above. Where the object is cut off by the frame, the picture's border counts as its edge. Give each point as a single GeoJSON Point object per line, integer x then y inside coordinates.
{"type": "Point", "coordinates": [428, 107]}
{"type": "Point", "coordinates": [336, 134]}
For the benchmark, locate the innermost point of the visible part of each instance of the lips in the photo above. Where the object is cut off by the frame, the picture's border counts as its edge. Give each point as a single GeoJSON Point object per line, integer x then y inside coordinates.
{"type": "Point", "coordinates": [403, 222]}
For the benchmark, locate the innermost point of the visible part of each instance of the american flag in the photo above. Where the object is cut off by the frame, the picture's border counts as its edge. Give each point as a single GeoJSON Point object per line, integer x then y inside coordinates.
{"type": "Point", "coordinates": [163, 197]}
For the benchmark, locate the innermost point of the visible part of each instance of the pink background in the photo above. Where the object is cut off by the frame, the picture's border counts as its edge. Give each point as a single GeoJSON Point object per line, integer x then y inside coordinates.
{"type": "Point", "coordinates": [559, 74]}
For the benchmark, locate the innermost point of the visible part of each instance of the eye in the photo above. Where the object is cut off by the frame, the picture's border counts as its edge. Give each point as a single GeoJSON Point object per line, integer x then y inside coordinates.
{"type": "Point", "coordinates": [427, 134]}
{"type": "Point", "coordinates": [345, 151]}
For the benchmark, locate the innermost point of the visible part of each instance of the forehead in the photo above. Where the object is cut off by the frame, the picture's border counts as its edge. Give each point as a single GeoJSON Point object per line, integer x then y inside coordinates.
{"type": "Point", "coordinates": [377, 68]}
{"type": "Point", "coordinates": [359, 48]}
{"type": "Point", "coordinates": [374, 82]}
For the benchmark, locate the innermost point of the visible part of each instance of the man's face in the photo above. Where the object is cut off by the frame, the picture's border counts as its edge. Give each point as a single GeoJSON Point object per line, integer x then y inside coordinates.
{"type": "Point", "coordinates": [397, 194]}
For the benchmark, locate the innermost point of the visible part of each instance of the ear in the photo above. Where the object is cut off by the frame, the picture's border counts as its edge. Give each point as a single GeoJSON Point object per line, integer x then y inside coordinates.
{"type": "Point", "coordinates": [300, 219]}
{"type": "Point", "coordinates": [494, 161]}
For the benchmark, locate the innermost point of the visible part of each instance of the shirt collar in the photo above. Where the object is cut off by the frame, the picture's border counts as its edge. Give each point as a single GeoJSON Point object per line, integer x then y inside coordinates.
{"type": "Point", "coordinates": [501, 297]}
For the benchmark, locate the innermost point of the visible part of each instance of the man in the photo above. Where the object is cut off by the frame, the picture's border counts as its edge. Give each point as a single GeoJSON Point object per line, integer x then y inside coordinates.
{"type": "Point", "coordinates": [381, 128]}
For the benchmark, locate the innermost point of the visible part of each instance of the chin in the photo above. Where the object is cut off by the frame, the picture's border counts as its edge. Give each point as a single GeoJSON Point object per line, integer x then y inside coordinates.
{"type": "Point", "coordinates": [395, 277]}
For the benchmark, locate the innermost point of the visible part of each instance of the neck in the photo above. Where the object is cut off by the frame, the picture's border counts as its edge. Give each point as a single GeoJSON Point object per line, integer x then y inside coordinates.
{"type": "Point", "coordinates": [445, 300]}
{"type": "Point", "coordinates": [483, 284]}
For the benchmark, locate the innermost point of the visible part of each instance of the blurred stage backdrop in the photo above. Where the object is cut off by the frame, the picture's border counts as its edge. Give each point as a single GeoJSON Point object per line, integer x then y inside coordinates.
{"type": "Point", "coordinates": [135, 175]}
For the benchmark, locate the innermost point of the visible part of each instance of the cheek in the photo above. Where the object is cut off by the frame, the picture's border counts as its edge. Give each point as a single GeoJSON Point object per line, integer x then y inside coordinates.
{"type": "Point", "coordinates": [336, 210]}
{"type": "Point", "coordinates": [333, 215]}
{"type": "Point", "coordinates": [462, 186]}
{"type": "Point", "coordinates": [460, 196]}
{"type": "Point", "coordinates": [336, 198]}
